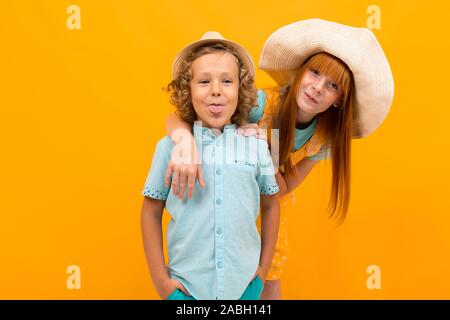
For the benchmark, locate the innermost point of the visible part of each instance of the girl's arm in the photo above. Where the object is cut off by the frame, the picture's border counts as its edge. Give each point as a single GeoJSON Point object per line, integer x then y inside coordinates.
{"type": "Point", "coordinates": [151, 225]}
{"type": "Point", "coordinates": [270, 220]}
{"type": "Point", "coordinates": [288, 183]}
{"type": "Point", "coordinates": [184, 165]}
{"type": "Point", "coordinates": [174, 123]}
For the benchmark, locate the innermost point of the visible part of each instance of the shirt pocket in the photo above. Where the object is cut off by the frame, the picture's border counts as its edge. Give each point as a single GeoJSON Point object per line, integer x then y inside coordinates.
{"type": "Point", "coordinates": [245, 166]}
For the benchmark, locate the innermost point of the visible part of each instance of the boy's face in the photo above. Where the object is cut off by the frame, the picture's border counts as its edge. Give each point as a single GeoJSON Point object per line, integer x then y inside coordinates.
{"type": "Point", "coordinates": [215, 88]}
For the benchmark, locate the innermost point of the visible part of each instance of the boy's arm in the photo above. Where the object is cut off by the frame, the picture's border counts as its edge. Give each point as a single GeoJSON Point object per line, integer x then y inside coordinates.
{"type": "Point", "coordinates": [288, 183]}
{"type": "Point", "coordinates": [270, 220]}
{"type": "Point", "coordinates": [151, 225]}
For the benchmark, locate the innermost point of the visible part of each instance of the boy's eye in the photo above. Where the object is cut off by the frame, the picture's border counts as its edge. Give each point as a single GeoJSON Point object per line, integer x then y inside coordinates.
{"type": "Point", "coordinates": [227, 81]}
{"type": "Point", "coordinates": [203, 81]}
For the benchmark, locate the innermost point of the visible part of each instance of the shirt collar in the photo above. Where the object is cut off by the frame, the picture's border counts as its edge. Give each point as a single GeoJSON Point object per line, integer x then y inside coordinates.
{"type": "Point", "coordinates": [310, 127]}
{"type": "Point", "coordinates": [206, 134]}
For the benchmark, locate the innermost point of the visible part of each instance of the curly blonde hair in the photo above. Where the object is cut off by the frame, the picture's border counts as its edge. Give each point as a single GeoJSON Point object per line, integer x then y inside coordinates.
{"type": "Point", "coordinates": [180, 89]}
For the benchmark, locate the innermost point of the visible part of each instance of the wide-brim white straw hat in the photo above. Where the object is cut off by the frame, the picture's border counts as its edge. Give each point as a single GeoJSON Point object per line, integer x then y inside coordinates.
{"type": "Point", "coordinates": [290, 46]}
{"type": "Point", "coordinates": [209, 38]}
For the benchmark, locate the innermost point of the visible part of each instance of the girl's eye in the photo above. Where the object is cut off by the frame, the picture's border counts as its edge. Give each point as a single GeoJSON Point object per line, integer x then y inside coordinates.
{"type": "Point", "coordinates": [334, 86]}
{"type": "Point", "coordinates": [203, 81]}
{"type": "Point", "coordinates": [227, 81]}
{"type": "Point", "coordinates": [315, 71]}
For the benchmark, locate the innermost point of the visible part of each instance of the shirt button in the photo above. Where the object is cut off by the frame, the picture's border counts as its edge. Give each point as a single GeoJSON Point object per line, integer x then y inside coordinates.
{"type": "Point", "coordinates": [219, 172]}
{"type": "Point", "coordinates": [220, 264]}
{"type": "Point", "coordinates": [219, 230]}
{"type": "Point", "coordinates": [218, 201]}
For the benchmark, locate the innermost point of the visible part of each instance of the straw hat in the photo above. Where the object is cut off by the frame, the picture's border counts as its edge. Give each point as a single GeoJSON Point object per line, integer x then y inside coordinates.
{"type": "Point", "coordinates": [290, 46]}
{"type": "Point", "coordinates": [213, 37]}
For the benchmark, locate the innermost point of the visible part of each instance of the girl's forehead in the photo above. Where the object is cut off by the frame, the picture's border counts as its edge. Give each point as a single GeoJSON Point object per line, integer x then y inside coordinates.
{"type": "Point", "coordinates": [330, 69]}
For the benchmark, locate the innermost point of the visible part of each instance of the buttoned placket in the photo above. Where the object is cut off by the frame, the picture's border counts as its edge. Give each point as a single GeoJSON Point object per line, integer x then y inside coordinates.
{"type": "Point", "coordinates": [219, 214]}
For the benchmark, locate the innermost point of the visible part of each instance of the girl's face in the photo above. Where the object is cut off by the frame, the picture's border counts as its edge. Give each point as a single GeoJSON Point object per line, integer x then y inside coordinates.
{"type": "Point", "coordinates": [215, 88]}
{"type": "Point", "coordinates": [317, 92]}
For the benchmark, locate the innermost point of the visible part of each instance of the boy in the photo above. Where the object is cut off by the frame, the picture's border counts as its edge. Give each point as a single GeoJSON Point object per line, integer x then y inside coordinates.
{"type": "Point", "coordinates": [215, 251]}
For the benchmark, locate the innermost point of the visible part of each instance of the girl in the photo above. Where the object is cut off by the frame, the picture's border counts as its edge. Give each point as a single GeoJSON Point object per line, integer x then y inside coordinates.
{"type": "Point", "coordinates": [334, 84]}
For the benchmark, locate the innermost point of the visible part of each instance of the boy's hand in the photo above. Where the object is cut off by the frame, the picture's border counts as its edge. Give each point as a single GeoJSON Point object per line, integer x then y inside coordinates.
{"type": "Point", "coordinates": [262, 273]}
{"type": "Point", "coordinates": [252, 129]}
{"type": "Point", "coordinates": [168, 286]}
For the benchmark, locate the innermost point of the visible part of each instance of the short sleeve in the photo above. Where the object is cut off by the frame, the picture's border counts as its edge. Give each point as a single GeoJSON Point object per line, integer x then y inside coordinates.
{"type": "Point", "coordinates": [257, 111]}
{"type": "Point", "coordinates": [266, 171]}
{"type": "Point", "coordinates": [324, 153]}
{"type": "Point", "coordinates": [154, 185]}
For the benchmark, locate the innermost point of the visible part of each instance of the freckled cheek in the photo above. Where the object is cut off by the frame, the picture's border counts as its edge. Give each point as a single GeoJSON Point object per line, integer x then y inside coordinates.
{"type": "Point", "coordinates": [327, 102]}
{"type": "Point", "coordinates": [334, 98]}
{"type": "Point", "coordinates": [232, 95]}
{"type": "Point", "coordinates": [199, 95]}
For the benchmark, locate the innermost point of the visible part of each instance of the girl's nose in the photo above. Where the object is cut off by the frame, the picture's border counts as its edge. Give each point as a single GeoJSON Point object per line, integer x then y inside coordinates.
{"type": "Point", "coordinates": [318, 86]}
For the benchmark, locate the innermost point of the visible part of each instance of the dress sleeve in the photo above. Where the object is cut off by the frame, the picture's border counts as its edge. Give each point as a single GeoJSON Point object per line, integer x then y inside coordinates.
{"type": "Point", "coordinates": [257, 111]}
{"type": "Point", "coordinates": [324, 153]}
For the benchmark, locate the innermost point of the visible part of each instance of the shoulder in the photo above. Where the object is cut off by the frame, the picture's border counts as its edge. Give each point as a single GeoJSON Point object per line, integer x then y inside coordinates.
{"type": "Point", "coordinates": [262, 149]}
{"type": "Point", "coordinates": [251, 146]}
{"type": "Point", "coordinates": [323, 154]}
{"type": "Point", "coordinates": [165, 144]}
{"type": "Point", "coordinates": [253, 141]}
{"type": "Point", "coordinates": [263, 144]}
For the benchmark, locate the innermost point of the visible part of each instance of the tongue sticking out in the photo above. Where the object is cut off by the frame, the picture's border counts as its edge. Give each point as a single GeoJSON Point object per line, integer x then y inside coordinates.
{"type": "Point", "coordinates": [215, 108]}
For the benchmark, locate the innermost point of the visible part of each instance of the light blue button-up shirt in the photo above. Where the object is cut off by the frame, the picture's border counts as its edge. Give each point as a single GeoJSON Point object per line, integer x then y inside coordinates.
{"type": "Point", "coordinates": [214, 245]}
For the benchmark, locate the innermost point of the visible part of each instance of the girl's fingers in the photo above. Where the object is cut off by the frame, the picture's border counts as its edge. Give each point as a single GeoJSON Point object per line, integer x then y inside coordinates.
{"type": "Point", "coordinates": [191, 184]}
{"type": "Point", "coordinates": [167, 175]}
{"type": "Point", "coordinates": [243, 129]}
{"type": "Point", "coordinates": [182, 184]}
{"type": "Point", "coordinates": [175, 180]}
{"type": "Point", "coordinates": [261, 137]}
{"type": "Point", "coordinates": [250, 132]}
{"type": "Point", "coordinates": [201, 181]}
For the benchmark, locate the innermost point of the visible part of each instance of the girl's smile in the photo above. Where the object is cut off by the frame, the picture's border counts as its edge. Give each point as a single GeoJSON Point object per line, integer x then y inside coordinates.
{"type": "Point", "coordinates": [310, 98]}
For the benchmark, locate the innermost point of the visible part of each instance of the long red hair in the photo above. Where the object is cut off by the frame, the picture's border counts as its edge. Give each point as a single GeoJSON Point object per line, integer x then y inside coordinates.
{"type": "Point", "coordinates": [336, 121]}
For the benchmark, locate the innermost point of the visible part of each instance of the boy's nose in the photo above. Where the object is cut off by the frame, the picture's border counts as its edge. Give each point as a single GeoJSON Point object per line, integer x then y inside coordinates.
{"type": "Point", "coordinates": [215, 90]}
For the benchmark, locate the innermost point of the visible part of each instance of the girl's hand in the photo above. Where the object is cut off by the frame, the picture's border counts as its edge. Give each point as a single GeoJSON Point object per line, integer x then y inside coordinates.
{"type": "Point", "coordinates": [168, 286]}
{"type": "Point", "coordinates": [185, 167]}
{"type": "Point", "coordinates": [252, 129]}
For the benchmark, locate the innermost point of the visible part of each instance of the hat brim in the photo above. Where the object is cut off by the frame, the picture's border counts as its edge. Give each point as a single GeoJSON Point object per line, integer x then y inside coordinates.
{"type": "Point", "coordinates": [242, 53]}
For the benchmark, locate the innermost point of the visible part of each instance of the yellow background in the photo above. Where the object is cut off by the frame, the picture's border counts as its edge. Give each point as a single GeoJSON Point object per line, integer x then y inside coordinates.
{"type": "Point", "coordinates": [81, 111]}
